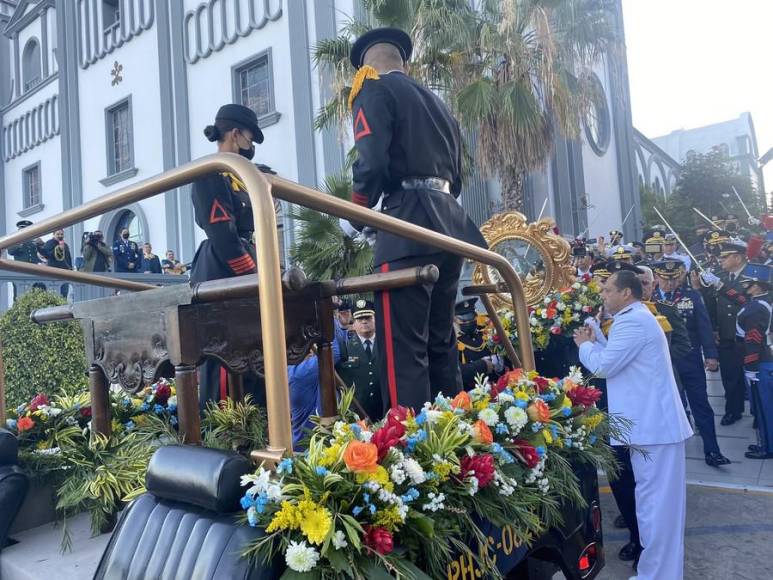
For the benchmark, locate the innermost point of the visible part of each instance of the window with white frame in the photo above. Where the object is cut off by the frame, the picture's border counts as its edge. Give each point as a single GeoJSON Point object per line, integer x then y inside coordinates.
{"type": "Point", "coordinates": [253, 85]}
{"type": "Point", "coordinates": [120, 154]}
{"type": "Point", "coordinates": [31, 186]}
{"type": "Point", "coordinates": [111, 14]}
{"type": "Point", "coordinates": [31, 64]}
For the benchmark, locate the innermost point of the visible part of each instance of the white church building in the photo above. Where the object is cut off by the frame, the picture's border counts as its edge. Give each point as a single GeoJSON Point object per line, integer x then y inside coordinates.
{"type": "Point", "coordinates": [98, 94]}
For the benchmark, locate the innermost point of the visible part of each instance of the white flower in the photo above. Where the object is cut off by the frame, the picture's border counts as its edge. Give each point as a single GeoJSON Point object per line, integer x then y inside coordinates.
{"type": "Point", "coordinates": [433, 416]}
{"type": "Point", "coordinates": [577, 306]}
{"type": "Point", "coordinates": [365, 436]}
{"type": "Point", "coordinates": [575, 374]}
{"type": "Point", "coordinates": [576, 285]}
{"type": "Point", "coordinates": [560, 306]}
{"type": "Point", "coordinates": [505, 397]}
{"type": "Point", "coordinates": [414, 471]}
{"type": "Point", "coordinates": [172, 401]}
{"type": "Point", "coordinates": [339, 429]}
{"type": "Point", "coordinates": [489, 416]}
{"type": "Point", "coordinates": [397, 474]}
{"type": "Point", "coordinates": [516, 418]}
{"type": "Point", "coordinates": [474, 485]}
{"type": "Point", "coordinates": [339, 540]}
{"type": "Point", "coordinates": [436, 502]}
{"type": "Point", "coordinates": [301, 557]}
{"type": "Point", "coordinates": [54, 411]}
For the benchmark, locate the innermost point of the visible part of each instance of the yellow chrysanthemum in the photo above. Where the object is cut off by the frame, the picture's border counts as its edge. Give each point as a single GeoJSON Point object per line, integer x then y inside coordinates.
{"type": "Point", "coordinates": [287, 518]}
{"type": "Point", "coordinates": [380, 476]}
{"type": "Point", "coordinates": [592, 421]}
{"type": "Point", "coordinates": [548, 436]}
{"type": "Point", "coordinates": [330, 455]}
{"type": "Point", "coordinates": [522, 396]}
{"type": "Point", "coordinates": [443, 469]}
{"type": "Point", "coordinates": [316, 524]}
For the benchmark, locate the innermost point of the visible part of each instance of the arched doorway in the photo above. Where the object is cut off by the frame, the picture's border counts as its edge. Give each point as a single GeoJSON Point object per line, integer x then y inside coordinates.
{"type": "Point", "coordinates": [128, 219]}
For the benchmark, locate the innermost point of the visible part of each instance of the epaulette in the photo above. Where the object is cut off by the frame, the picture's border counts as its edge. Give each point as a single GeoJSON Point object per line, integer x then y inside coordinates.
{"type": "Point", "coordinates": [236, 183]}
{"type": "Point", "coordinates": [366, 72]}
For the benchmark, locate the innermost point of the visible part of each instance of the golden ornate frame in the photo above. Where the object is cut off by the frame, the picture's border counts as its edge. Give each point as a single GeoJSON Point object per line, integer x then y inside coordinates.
{"type": "Point", "coordinates": [554, 251]}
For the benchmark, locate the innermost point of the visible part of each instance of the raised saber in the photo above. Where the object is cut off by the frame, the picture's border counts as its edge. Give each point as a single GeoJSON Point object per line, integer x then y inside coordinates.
{"type": "Point", "coordinates": [678, 239]}
{"type": "Point", "coordinates": [703, 215]}
{"type": "Point", "coordinates": [746, 209]}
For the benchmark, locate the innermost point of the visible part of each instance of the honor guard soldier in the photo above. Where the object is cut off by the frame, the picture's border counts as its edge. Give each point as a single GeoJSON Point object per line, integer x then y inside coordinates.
{"type": "Point", "coordinates": [359, 367]}
{"type": "Point", "coordinates": [670, 251]}
{"type": "Point", "coordinates": [615, 240]}
{"type": "Point", "coordinates": [583, 259]}
{"type": "Point", "coordinates": [26, 251]}
{"type": "Point", "coordinates": [724, 299]}
{"type": "Point", "coordinates": [691, 368]}
{"type": "Point", "coordinates": [753, 327]}
{"type": "Point", "coordinates": [223, 210]}
{"type": "Point", "coordinates": [409, 149]}
{"type": "Point", "coordinates": [126, 254]}
{"type": "Point", "coordinates": [475, 358]}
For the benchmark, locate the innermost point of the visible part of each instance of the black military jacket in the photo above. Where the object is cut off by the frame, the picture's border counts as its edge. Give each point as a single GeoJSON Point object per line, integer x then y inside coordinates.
{"type": "Point", "coordinates": [723, 306]}
{"type": "Point", "coordinates": [356, 370]}
{"type": "Point", "coordinates": [679, 343]}
{"type": "Point", "coordinates": [472, 350]}
{"type": "Point", "coordinates": [223, 210]}
{"type": "Point", "coordinates": [403, 130]}
{"type": "Point", "coordinates": [25, 252]}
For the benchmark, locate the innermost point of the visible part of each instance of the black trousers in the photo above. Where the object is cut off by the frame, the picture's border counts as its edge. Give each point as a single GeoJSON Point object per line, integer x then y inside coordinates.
{"type": "Point", "coordinates": [624, 491]}
{"type": "Point", "coordinates": [691, 371]}
{"type": "Point", "coordinates": [415, 327]}
{"type": "Point", "coordinates": [731, 355]}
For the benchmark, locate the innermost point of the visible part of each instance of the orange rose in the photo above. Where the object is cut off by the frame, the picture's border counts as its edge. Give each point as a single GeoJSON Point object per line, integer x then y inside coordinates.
{"type": "Point", "coordinates": [24, 424]}
{"type": "Point", "coordinates": [462, 401]}
{"type": "Point", "coordinates": [361, 457]}
{"type": "Point", "coordinates": [538, 411]}
{"type": "Point", "coordinates": [482, 433]}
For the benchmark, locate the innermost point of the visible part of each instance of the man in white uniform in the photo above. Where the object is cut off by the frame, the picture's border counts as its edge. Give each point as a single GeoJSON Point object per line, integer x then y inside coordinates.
{"type": "Point", "coordinates": [641, 387]}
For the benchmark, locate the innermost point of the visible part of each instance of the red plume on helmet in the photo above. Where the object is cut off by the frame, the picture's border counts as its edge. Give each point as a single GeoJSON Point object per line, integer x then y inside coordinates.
{"type": "Point", "coordinates": [767, 222]}
{"type": "Point", "coordinates": [754, 247]}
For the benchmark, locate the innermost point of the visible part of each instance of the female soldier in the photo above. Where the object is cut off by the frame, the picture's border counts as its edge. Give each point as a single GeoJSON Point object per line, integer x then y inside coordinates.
{"type": "Point", "coordinates": [222, 209]}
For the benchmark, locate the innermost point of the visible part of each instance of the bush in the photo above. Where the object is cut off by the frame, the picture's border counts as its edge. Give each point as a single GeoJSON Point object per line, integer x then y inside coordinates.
{"type": "Point", "coordinates": [40, 358]}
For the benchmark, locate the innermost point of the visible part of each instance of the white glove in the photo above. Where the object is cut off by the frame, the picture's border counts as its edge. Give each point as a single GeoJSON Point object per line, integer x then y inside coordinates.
{"type": "Point", "coordinates": [753, 221]}
{"type": "Point", "coordinates": [498, 363]}
{"type": "Point", "coordinates": [711, 279]}
{"type": "Point", "coordinates": [751, 376]}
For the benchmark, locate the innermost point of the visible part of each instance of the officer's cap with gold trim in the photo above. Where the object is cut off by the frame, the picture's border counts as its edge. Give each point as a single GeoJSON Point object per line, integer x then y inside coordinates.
{"type": "Point", "coordinates": [599, 270]}
{"type": "Point", "coordinates": [732, 246]}
{"type": "Point", "coordinates": [715, 237]}
{"type": "Point", "coordinates": [465, 309]}
{"type": "Point", "coordinates": [654, 244]}
{"type": "Point", "coordinates": [622, 253]}
{"type": "Point", "coordinates": [394, 36]}
{"type": "Point", "coordinates": [668, 268]}
{"type": "Point", "coordinates": [363, 308]}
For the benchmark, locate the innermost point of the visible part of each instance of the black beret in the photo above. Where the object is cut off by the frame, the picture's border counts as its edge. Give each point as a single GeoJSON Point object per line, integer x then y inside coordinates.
{"type": "Point", "coordinates": [394, 36]}
{"type": "Point", "coordinates": [241, 115]}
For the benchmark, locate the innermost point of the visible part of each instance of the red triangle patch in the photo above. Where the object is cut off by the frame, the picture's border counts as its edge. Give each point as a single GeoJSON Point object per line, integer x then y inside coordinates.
{"type": "Point", "coordinates": [361, 127]}
{"type": "Point", "coordinates": [217, 213]}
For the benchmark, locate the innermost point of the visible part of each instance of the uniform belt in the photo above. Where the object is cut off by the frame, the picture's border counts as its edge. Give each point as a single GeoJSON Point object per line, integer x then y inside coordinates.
{"type": "Point", "coordinates": [437, 183]}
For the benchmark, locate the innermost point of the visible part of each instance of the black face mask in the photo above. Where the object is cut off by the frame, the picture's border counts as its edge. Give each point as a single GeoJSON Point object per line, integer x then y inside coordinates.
{"type": "Point", "coordinates": [248, 153]}
{"type": "Point", "coordinates": [125, 236]}
{"type": "Point", "coordinates": [468, 327]}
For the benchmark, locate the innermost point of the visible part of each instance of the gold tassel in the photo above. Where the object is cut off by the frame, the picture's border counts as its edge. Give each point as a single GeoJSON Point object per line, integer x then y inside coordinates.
{"type": "Point", "coordinates": [236, 183]}
{"type": "Point", "coordinates": [366, 72]}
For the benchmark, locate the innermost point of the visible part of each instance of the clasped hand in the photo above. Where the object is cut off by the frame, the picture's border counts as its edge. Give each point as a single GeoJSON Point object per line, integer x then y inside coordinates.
{"type": "Point", "coordinates": [584, 334]}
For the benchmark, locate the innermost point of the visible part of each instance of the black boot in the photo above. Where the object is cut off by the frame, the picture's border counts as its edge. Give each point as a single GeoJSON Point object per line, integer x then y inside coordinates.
{"type": "Point", "coordinates": [629, 552]}
{"type": "Point", "coordinates": [620, 522]}
{"type": "Point", "coordinates": [715, 459]}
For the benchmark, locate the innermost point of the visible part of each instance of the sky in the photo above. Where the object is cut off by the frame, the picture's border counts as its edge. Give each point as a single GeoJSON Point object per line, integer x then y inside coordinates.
{"type": "Point", "coordinates": [697, 62]}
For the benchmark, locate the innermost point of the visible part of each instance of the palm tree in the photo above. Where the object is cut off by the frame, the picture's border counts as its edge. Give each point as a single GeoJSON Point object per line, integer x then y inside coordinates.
{"type": "Point", "coordinates": [322, 249]}
{"type": "Point", "coordinates": [515, 72]}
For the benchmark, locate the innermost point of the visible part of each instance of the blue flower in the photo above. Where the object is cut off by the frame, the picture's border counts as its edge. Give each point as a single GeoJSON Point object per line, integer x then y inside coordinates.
{"type": "Point", "coordinates": [252, 517]}
{"type": "Point", "coordinates": [126, 402]}
{"type": "Point", "coordinates": [356, 429]}
{"type": "Point", "coordinates": [372, 509]}
{"type": "Point", "coordinates": [357, 510]}
{"type": "Point", "coordinates": [144, 407]}
{"type": "Point", "coordinates": [442, 403]}
{"type": "Point", "coordinates": [11, 423]}
{"type": "Point", "coordinates": [536, 426]}
{"type": "Point", "coordinates": [554, 431]}
{"type": "Point", "coordinates": [260, 503]}
{"type": "Point", "coordinates": [592, 439]}
{"type": "Point", "coordinates": [547, 397]}
{"type": "Point", "coordinates": [502, 429]}
{"type": "Point", "coordinates": [521, 404]}
{"type": "Point", "coordinates": [366, 497]}
{"type": "Point", "coordinates": [322, 471]}
{"type": "Point", "coordinates": [158, 409]}
{"type": "Point", "coordinates": [421, 418]}
{"type": "Point", "coordinates": [566, 411]}
{"type": "Point", "coordinates": [410, 495]}
{"type": "Point", "coordinates": [20, 410]}
{"type": "Point", "coordinates": [285, 466]}
{"type": "Point", "coordinates": [540, 451]}
{"type": "Point", "coordinates": [172, 407]}
{"type": "Point", "coordinates": [173, 421]}
{"type": "Point", "coordinates": [129, 425]}
{"type": "Point", "coordinates": [246, 502]}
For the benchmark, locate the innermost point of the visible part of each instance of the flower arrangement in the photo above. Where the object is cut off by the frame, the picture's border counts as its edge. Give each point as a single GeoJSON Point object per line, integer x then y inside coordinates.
{"type": "Point", "coordinates": [560, 313]}
{"type": "Point", "coordinates": [402, 496]}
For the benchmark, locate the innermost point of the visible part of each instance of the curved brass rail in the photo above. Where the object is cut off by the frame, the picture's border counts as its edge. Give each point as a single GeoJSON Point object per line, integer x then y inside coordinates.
{"type": "Point", "coordinates": [260, 188]}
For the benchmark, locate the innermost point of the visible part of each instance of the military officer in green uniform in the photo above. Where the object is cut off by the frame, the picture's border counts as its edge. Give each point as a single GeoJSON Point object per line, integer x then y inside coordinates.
{"type": "Point", "coordinates": [26, 251]}
{"type": "Point", "coordinates": [359, 367]}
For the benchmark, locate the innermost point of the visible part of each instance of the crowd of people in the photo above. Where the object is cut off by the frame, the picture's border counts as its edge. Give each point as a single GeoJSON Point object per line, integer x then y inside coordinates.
{"type": "Point", "coordinates": [124, 255]}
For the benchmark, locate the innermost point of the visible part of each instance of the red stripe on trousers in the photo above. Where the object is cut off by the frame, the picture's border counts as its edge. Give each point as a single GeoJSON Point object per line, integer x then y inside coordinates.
{"type": "Point", "coordinates": [223, 384]}
{"type": "Point", "coordinates": [390, 352]}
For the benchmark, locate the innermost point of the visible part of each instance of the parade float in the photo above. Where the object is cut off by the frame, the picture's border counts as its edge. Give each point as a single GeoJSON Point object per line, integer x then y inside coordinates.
{"type": "Point", "coordinates": [499, 481]}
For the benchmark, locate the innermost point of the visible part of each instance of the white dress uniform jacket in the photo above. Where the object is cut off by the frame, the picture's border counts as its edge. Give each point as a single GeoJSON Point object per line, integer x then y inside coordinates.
{"type": "Point", "coordinates": [640, 381]}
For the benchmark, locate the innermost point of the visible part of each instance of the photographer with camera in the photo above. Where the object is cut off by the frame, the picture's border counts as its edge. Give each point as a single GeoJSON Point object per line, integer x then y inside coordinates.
{"type": "Point", "coordinates": [96, 254]}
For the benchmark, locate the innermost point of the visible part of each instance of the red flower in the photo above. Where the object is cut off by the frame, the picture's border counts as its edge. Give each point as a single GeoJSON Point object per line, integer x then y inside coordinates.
{"type": "Point", "coordinates": [378, 539]}
{"type": "Point", "coordinates": [527, 452]}
{"type": "Point", "coordinates": [586, 396]}
{"type": "Point", "coordinates": [480, 466]}
{"type": "Point", "coordinates": [39, 400]}
{"type": "Point", "coordinates": [555, 330]}
{"type": "Point", "coordinates": [162, 394]}
{"type": "Point", "coordinates": [586, 278]}
{"type": "Point", "coordinates": [388, 436]}
{"type": "Point", "coordinates": [542, 384]}
{"type": "Point", "coordinates": [400, 413]}
{"type": "Point", "coordinates": [86, 412]}
{"type": "Point", "coordinates": [496, 338]}
{"type": "Point", "coordinates": [24, 424]}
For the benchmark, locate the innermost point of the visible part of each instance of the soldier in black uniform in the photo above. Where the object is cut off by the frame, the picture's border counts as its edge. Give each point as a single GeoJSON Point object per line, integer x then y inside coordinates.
{"type": "Point", "coordinates": [26, 251]}
{"type": "Point", "coordinates": [753, 327]}
{"type": "Point", "coordinates": [358, 367]}
{"type": "Point", "coordinates": [724, 299]}
{"type": "Point", "coordinates": [58, 255]}
{"type": "Point", "coordinates": [223, 210]}
{"type": "Point", "coordinates": [475, 358]}
{"type": "Point", "coordinates": [409, 150]}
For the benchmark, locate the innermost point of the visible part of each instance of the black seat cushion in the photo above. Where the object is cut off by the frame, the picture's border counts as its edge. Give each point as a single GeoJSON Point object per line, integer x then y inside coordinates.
{"type": "Point", "coordinates": [186, 525]}
{"type": "Point", "coordinates": [14, 484]}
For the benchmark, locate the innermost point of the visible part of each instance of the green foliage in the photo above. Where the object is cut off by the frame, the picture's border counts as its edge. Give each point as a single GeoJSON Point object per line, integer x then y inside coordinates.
{"type": "Point", "coordinates": [40, 358]}
{"type": "Point", "coordinates": [234, 425]}
{"type": "Point", "coordinates": [515, 72]}
{"type": "Point", "coordinates": [321, 249]}
{"type": "Point", "coordinates": [706, 182]}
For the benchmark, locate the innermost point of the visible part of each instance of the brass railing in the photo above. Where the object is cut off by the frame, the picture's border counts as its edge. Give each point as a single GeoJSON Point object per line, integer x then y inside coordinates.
{"type": "Point", "coordinates": [260, 188]}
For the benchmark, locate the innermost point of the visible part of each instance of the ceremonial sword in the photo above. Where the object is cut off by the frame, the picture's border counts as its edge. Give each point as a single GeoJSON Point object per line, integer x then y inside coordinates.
{"type": "Point", "coordinates": [746, 209]}
{"type": "Point", "coordinates": [678, 239]}
{"type": "Point", "coordinates": [703, 215]}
